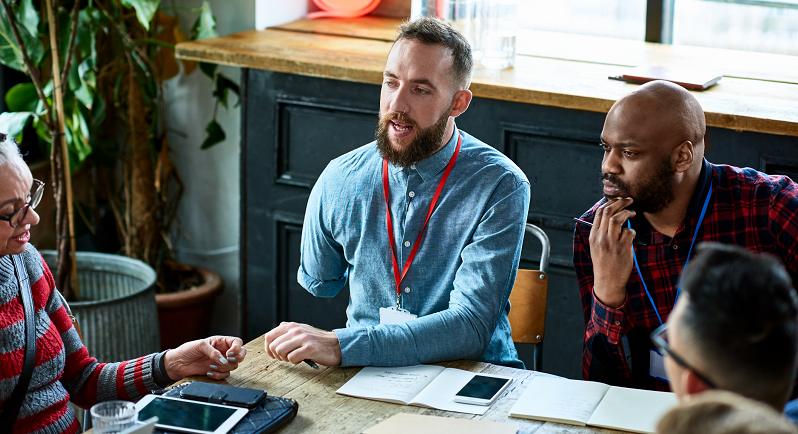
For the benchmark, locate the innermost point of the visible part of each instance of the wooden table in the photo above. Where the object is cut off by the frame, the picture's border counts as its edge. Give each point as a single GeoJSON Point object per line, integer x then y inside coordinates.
{"type": "Point", "coordinates": [321, 410]}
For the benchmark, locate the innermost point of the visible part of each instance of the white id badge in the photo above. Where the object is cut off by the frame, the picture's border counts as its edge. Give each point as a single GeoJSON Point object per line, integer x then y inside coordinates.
{"type": "Point", "coordinates": [656, 367]}
{"type": "Point", "coordinates": [391, 315]}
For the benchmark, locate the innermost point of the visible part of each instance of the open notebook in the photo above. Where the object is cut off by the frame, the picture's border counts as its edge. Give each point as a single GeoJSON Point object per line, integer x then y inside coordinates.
{"type": "Point", "coordinates": [595, 404]}
{"type": "Point", "coordinates": [420, 385]}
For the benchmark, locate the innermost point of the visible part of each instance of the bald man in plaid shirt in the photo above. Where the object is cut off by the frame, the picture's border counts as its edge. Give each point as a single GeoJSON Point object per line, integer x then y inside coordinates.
{"type": "Point", "coordinates": [661, 198]}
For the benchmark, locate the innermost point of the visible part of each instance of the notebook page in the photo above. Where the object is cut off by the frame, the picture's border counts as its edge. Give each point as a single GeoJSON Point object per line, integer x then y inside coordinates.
{"type": "Point", "coordinates": [442, 389]}
{"type": "Point", "coordinates": [399, 385]}
{"type": "Point", "coordinates": [559, 400]}
{"type": "Point", "coordinates": [632, 409]}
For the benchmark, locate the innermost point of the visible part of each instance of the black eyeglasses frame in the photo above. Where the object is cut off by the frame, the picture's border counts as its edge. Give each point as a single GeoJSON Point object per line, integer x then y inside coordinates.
{"type": "Point", "coordinates": [37, 191]}
{"type": "Point", "coordinates": [662, 347]}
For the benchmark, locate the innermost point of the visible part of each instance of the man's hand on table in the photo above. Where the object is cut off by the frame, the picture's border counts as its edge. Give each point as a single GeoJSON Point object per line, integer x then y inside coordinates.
{"type": "Point", "coordinates": [611, 251]}
{"type": "Point", "coordinates": [293, 342]}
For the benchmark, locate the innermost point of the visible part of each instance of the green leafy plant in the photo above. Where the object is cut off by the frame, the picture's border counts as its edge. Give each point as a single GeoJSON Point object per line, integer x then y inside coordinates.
{"type": "Point", "coordinates": [97, 69]}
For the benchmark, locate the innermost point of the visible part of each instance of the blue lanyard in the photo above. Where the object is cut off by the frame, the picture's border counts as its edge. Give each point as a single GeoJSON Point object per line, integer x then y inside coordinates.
{"type": "Point", "coordinates": [679, 288]}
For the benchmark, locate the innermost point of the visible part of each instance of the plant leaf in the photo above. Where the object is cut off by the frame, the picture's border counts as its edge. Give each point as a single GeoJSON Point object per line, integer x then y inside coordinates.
{"type": "Point", "coordinates": [205, 26]}
{"type": "Point", "coordinates": [145, 10]}
{"type": "Point", "coordinates": [12, 123]}
{"type": "Point", "coordinates": [22, 97]}
{"type": "Point", "coordinates": [215, 134]}
{"type": "Point", "coordinates": [28, 16]}
{"type": "Point", "coordinates": [10, 53]}
{"type": "Point", "coordinates": [208, 69]}
{"type": "Point", "coordinates": [223, 84]}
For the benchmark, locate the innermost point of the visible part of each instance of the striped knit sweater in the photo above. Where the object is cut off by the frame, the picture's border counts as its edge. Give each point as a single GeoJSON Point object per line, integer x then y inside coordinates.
{"type": "Point", "coordinates": [64, 370]}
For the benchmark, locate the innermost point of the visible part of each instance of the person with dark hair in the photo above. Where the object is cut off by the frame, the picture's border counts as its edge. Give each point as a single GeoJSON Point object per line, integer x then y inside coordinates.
{"type": "Point", "coordinates": [433, 283]}
{"type": "Point", "coordinates": [734, 327]}
{"type": "Point", "coordinates": [661, 197]}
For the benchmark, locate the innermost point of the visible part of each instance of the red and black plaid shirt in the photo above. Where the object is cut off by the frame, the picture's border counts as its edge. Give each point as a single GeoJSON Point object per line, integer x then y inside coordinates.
{"type": "Point", "coordinates": [747, 208]}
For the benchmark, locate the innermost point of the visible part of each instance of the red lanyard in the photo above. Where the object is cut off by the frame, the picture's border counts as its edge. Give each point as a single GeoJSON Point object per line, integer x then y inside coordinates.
{"type": "Point", "coordinates": [387, 189]}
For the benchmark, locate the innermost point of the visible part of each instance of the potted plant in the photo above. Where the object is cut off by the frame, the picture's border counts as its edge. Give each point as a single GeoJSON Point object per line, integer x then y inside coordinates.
{"type": "Point", "coordinates": [94, 105]}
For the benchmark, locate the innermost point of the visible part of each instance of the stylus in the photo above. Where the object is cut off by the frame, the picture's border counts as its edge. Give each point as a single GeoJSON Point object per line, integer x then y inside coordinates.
{"type": "Point", "coordinates": [311, 363]}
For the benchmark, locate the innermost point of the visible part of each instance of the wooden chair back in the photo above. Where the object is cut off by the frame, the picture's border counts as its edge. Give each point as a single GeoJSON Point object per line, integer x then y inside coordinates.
{"type": "Point", "coordinates": [528, 301]}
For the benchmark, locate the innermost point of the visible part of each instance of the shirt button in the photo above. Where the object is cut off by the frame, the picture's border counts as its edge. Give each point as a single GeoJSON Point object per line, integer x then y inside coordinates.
{"type": "Point", "coordinates": [412, 166]}
{"type": "Point", "coordinates": [675, 247]}
{"type": "Point", "coordinates": [411, 194]}
{"type": "Point", "coordinates": [407, 243]}
{"type": "Point", "coordinates": [617, 323]}
{"type": "Point", "coordinates": [407, 290]}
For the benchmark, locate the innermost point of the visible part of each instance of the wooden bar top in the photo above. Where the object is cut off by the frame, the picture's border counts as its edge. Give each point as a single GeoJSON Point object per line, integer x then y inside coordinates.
{"type": "Point", "coordinates": [759, 92]}
{"type": "Point", "coordinates": [321, 410]}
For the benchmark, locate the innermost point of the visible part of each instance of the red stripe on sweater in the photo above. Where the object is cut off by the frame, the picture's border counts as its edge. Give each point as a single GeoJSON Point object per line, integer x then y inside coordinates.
{"type": "Point", "coordinates": [40, 291]}
{"type": "Point", "coordinates": [45, 418]}
{"type": "Point", "coordinates": [11, 312]}
{"type": "Point", "coordinates": [120, 382]}
{"type": "Point", "coordinates": [86, 397]}
{"type": "Point", "coordinates": [138, 377]}
{"type": "Point", "coordinates": [76, 361]}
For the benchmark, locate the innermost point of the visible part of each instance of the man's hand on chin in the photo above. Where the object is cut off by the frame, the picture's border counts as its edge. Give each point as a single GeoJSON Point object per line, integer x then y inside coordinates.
{"type": "Point", "coordinates": [293, 342]}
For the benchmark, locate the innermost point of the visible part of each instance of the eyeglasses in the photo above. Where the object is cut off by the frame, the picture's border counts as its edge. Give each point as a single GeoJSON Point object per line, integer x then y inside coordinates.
{"type": "Point", "coordinates": [660, 339]}
{"type": "Point", "coordinates": [36, 193]}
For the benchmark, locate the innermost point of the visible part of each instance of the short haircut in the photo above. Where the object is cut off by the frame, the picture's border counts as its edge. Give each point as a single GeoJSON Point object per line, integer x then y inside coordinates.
{"type": "Point", "coordinates": [435, 31]}
{"type": "Point", "coordinates": [8, 149]}
{"type": "Point", "coordinates": [722, 412]}
{"type": "Point", "coordinates": [742, 317]}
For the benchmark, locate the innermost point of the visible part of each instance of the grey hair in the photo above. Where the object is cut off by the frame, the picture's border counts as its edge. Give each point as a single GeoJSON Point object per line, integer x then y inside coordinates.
{"type": "Point", "coordinates": [8, 149]}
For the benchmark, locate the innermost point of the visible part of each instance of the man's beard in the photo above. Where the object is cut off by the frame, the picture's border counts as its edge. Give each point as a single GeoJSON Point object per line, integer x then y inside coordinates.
{"type": "Point", "coordinates": [427, 142]}
{"type": "Point", "coordinates": [651, 195]}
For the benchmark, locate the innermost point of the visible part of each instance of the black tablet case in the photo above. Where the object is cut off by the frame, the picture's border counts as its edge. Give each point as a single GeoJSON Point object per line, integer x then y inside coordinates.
{"type": "Point", "coordinates": [269, 416]}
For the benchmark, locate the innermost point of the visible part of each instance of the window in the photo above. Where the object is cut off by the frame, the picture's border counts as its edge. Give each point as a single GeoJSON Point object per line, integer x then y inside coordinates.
{"type": "Point", "coordinates": [769, 26]}
{"type": "Point", "coordinates": [766, 26]}
{"type": "Point", "coordinates": [625, 19]}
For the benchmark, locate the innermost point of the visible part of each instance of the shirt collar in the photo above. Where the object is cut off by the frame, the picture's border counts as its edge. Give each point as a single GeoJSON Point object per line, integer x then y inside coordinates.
{"type": "Point", "coordinates": [432, 165]}
{"type": "Point", "coordinates": [701, 190]}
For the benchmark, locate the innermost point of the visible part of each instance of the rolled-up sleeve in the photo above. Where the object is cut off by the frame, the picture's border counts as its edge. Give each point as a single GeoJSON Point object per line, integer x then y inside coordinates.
{"type": "Point", "coordinates": [323, 266]}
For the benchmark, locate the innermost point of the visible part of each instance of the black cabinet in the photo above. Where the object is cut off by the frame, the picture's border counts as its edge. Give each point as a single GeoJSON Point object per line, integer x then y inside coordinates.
{"type": "Point", "coordinates": [292, 126]}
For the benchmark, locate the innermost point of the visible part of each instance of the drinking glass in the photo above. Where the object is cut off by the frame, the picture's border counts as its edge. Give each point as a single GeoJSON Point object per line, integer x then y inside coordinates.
{"type": "Point", "coordinates": [111, 417]}
{"type": "Point", "coordinates": [499, 30]}
{"type": "Point", "coordinates": [465, 16]}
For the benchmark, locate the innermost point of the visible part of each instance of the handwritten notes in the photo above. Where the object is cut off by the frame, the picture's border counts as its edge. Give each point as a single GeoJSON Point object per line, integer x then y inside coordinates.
{"type": "Point", "coordinates": [419, 385]}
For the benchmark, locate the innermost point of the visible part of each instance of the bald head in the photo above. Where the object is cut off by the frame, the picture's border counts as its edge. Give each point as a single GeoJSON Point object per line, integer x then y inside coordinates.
{"type": "Point", "coordinates": [663, 113]}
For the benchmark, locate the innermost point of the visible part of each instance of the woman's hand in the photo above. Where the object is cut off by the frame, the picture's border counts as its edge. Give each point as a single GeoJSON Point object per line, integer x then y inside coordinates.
{"type": "Point", "coordinates": [215, 357]}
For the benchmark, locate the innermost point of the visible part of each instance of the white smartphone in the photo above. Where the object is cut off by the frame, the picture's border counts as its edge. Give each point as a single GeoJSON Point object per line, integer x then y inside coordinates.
{"type": "Point", "coordinates": [483, 389]}
{"type": "Point", "coordinates": [187, 416]}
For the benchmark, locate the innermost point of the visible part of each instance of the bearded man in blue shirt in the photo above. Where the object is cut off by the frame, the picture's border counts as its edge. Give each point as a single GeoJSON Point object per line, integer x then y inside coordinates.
{"type": "Point", "coordinates": [432, 284]}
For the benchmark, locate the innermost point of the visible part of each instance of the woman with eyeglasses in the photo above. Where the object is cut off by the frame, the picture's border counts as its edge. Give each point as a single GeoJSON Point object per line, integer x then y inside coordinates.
{"type": "Point", "coordinates": [35, 389]}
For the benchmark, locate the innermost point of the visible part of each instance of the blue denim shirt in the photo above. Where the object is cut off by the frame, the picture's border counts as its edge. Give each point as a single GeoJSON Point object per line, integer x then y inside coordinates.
{"type": "Point", "coordinates": [463, 271]}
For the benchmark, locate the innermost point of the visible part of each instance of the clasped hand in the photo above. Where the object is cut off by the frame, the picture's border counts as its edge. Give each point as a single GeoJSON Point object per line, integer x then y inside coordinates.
{"type": "Point", "coordinates": [293, 342]}
{"type": "Point", "coordinates": [215, 357]}
{"type": "Point", "coordinates": [611, 251]}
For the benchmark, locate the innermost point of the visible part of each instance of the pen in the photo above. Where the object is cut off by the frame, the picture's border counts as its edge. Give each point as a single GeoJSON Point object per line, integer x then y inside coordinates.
{"type": "Point", "coordinates": [587, 223]}
{"type": "Point", "coordinates": [311, 363]}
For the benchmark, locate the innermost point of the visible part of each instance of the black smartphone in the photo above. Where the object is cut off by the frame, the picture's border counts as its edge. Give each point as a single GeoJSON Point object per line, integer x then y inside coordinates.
{"type": "Point", "coordinates": [222, 394]}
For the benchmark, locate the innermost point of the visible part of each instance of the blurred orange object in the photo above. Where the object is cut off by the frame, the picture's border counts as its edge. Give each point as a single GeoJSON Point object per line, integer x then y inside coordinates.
{"type": "Point", "coordinates": [343, 8]}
